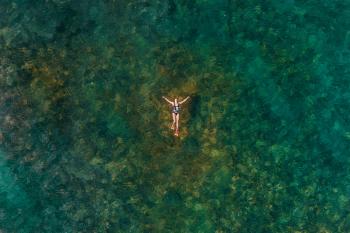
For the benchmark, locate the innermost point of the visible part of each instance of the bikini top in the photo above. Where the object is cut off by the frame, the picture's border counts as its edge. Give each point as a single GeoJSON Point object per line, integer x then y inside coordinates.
{"type": "Point", "coordinates": [176, 108]}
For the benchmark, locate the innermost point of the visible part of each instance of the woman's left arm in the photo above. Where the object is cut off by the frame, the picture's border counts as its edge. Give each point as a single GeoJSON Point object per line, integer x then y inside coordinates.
{"type": "Point", "coordinates": [184, 100]}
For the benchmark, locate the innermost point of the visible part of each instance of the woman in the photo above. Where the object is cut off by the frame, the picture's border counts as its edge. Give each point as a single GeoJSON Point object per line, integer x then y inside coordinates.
{"type": "Point", "coordinates": [176, 112]}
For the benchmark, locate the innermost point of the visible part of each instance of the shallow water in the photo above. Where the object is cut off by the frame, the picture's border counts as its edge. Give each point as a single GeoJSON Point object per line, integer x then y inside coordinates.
{"type": "Point", "coordinates": [85, 143]}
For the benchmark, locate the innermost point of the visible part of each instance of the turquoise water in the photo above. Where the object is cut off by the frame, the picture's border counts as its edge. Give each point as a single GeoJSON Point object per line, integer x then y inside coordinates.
{"type": "Point", "coordinates": [85, 143]}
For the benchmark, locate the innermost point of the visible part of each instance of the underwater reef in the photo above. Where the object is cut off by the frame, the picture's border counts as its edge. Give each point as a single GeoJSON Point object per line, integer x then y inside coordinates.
{"type": "Point", "coordinates": [85, 143]}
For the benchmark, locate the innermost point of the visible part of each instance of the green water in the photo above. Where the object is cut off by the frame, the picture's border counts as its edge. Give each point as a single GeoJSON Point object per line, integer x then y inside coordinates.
{"type": "Point", "coordinates": [85, 143]}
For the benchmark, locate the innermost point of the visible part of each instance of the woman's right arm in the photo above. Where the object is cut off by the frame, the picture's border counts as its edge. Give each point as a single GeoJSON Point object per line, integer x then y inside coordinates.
{"type": "Point", "coordinates": [167, 100]}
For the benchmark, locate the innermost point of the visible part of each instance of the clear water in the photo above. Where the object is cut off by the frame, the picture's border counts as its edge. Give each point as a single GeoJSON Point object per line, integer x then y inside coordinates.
{"type": "Point", "coordinates": [85, 143]}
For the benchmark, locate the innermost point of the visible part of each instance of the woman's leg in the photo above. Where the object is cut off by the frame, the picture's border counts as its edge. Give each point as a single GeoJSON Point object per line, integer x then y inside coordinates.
{"type": "Point", "coordinates": [177, 123]}
{"type": "Point", "coordinates": [174, 120]}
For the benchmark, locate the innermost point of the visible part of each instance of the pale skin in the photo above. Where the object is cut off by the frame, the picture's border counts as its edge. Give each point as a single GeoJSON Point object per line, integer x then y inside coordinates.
{"type": "Point", "coordinates": [176, 116]}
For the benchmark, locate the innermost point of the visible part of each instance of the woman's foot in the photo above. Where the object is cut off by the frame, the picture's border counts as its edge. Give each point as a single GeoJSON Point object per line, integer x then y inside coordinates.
{"type": "Point", "coordinates": [176, 133]}
{"type": "Point", "coordinates": [172, 127]}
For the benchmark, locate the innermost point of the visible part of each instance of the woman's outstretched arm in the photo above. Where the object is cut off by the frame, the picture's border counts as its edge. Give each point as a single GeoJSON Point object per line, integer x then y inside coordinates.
{"type": "Point", "coordinates": [167, 100]}
{"type": "Point", "coordinates": [184, 100]}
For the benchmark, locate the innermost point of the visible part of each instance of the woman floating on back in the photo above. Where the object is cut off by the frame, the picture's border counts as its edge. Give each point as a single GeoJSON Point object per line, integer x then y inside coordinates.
{"type": "Point", "coordinates": [176, 113]}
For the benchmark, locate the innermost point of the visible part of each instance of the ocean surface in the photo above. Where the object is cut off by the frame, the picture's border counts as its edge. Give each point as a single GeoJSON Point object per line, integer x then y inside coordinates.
{"type": "Point", "coordinates": [85, 138]}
